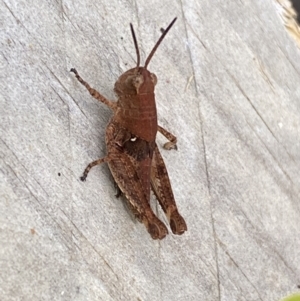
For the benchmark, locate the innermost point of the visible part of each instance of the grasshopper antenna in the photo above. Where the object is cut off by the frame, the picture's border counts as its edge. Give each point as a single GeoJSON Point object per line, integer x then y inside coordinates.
{"type": "Point", "coordinates": [158, 42]}
{"type": "Point", "coordinates": [136, 46]}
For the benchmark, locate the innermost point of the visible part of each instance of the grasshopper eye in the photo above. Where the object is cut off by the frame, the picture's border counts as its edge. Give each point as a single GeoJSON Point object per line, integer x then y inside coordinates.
{"type": "Point", "coordinates": [153, 78]}
{"type": "Point", "coordinates": [138, 81]}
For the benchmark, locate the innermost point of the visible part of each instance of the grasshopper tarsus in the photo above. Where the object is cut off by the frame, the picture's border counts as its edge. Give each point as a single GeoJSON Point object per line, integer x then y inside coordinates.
{"type": "Point", "coordinates": [172, 139]}
{"type": "Point", "coordinates": [170, 145]}
{"type": "Point", "coordinates": [119, 192]}
{"type": "Point", "coordinates": [157, 230]}
{"type": "Point", "coordinates": [177, 223]}
{"type": "Point", "coordinates": [73, 70]}
{"type": "Point", "coordinates": [92, 164]}
{"type": "Point", "coordinates": [83, 178]}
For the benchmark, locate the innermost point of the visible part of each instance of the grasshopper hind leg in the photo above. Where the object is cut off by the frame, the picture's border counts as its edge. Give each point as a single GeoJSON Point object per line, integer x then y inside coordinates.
{"type": "Point", "coordinates": [177, 223]}
{"type": "Point", "coordinates": [161, 187]}
{"type": "Point", "coordinates": [157, 229]}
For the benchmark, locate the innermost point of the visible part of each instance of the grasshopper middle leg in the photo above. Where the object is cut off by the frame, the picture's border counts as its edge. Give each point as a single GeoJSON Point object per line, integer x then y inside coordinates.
{"type": "Point", "coordinates": [92, 164]}
{"type": "Point", "coordinates": [172, 139]}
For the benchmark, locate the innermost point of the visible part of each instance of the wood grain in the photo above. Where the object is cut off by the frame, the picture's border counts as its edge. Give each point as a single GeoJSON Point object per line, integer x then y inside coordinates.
{"type": "Point", "coordinates": [235, 174]}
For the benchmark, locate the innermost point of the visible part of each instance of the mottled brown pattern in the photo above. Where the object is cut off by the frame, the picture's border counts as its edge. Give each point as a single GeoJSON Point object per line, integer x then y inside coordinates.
{"type": "Point", "coordinates": [133, 156]}
{"type": "Point", "coordinates": [161, 186]}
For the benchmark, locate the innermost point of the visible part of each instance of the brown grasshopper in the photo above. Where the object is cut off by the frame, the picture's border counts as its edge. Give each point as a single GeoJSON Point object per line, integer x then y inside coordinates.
{"type": "Point", "coordinates": [132, 153]}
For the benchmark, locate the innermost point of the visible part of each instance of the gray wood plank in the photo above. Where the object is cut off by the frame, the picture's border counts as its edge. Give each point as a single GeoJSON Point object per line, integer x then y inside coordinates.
{"type": "Point", "coordinates": [228, 88]}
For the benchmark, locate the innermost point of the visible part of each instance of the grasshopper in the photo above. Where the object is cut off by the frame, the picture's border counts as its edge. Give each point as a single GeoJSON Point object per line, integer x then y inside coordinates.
{"type": "Point", "coordinates": [132, 153]}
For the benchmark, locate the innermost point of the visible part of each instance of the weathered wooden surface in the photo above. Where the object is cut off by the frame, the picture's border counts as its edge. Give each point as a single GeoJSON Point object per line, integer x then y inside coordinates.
{"type": "Point", "coordinates": [229, 88]}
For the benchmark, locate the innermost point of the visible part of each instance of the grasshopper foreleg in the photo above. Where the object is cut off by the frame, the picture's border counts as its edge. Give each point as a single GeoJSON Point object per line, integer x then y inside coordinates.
{"type": "Point", "coordinates": [94, 92]}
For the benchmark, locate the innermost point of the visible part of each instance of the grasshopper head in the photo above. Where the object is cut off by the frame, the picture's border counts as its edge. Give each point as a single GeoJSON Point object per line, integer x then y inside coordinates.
{"type": "Point", "coordinates": [139, 80]}
{"type": "Point", "coordinates": [135, 81]}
